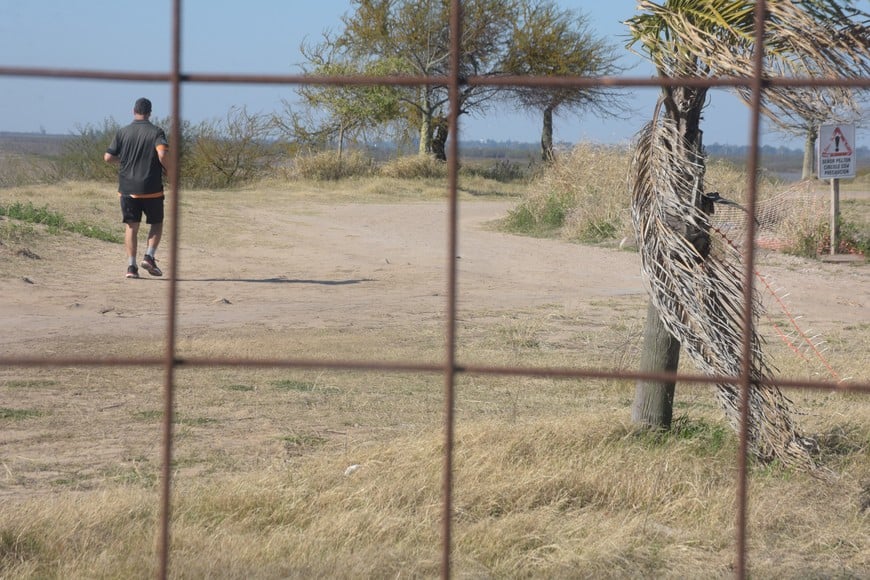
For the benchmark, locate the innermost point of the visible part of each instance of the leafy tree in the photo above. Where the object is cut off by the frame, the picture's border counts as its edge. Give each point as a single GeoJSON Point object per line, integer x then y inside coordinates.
{"type": "Point", "coordinates": [706, 38]}
{"type": "Point", "coordinates": [548, 41]}
{"type": "Point", "coordinates": [344, 112]}
{"type": "Point", "coordinates": [412, 37]}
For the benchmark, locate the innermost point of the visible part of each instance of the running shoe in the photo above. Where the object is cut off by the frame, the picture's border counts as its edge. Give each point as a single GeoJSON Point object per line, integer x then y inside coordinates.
{"type": "Point", "coordinates": [150, 265]}
{"type": "Point", "coordinates": [132, 271]}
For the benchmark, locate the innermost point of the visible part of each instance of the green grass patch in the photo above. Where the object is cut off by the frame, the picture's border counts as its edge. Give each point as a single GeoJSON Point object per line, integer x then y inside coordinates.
{"type": "Point", "coordinates": [303, 440]}
{"type": "Point", "coordinates": [139, 473]}
{"type": "Point", "coordinates": [239, 388]}
{"type": "Point", "coordinates": [177, 419]}
{"type": "Point", "coordinates": [594, 231]}
{"type": "Point", "coordinates": [540, 217]}
{"type": "Point", "coordinates": [294, 385]}
{"type": "Point", "coordinates": [703, 438]}
{"type": "Point", "coordinates": [27, 212]}
{"type": "Point", "coordinates": [30, 384]}
{"type": "Point", "coordinates": [148, 415]}
{"type": "Point", "coordinates": [56, 222]}
{"type": "Point", "coordinates": [95, 232]}
{"type": "Point", "coordinates": [73, 480]}
{"type": "Point", "coordinates": [194, 421]}
{"type": "Point", "coordinates": [19, 414]}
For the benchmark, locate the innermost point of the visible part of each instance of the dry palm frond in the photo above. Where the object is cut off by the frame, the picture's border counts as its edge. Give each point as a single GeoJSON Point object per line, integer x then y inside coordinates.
{"type": "Point", "coordinates": [803, 39]}
{"type": "Point", "coordinates": [697, 288]}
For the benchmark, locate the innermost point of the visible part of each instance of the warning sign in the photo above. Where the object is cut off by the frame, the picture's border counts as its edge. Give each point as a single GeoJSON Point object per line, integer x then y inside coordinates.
{"type": "Point", "coordinates": [836, 151]}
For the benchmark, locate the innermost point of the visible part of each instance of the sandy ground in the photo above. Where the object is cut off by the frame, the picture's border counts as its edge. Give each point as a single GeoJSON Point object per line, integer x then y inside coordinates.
{"type": "Point", "coordinates": [354, 264]}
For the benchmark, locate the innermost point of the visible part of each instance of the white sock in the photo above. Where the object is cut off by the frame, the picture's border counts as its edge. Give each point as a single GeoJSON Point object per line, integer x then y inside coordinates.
{"type": "Point", "coordinates": [150, 252]}
{"type": "Point", "coordinates": [131, 261]}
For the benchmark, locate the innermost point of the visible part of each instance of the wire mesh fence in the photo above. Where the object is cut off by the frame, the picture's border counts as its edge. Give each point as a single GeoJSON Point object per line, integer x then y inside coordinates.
{"type": "Point", "coordinates": [451, 366]}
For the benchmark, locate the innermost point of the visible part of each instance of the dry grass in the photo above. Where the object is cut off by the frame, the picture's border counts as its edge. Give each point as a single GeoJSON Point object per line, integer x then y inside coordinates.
{"type": "Point", "coordinates": [20, 169]}
{"type": "Point", "coordinates": [414, 167]}
{"type": "Point", "coordinates": [583, 196]}
{"type": "Point", "coordinates": [551, 481]}
{"type": "Point", "coordinates": [555, 495]}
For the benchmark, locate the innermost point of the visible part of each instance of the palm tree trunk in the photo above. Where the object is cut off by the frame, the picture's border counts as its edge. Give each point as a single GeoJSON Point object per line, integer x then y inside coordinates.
{"type": "Point", "coordinates": [654, 400]}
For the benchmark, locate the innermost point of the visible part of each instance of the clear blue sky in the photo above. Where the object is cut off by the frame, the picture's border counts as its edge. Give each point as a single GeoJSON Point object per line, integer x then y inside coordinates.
{"type": "Point", "coordinates": [258, 36]}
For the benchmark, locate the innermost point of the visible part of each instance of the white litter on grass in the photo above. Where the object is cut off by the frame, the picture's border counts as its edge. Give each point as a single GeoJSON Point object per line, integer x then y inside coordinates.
{"type": "Point", "coordinates": [351, 468]}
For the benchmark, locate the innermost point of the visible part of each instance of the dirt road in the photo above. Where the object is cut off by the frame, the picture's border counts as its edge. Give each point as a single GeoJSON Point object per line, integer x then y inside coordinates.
{"type": "Point", "coordinates": [311, 265]}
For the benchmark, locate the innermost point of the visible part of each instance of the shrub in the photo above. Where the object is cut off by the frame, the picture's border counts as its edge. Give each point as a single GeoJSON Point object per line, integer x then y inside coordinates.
{"type": "Point", "coordinates": [329, 166]}
{"type": "Point", "coordinates": [854, 238]}
{"type": "Point", "coordinates": [228, 152]}
{"type": "Point", "coordinates": [414, 167]}
{"type": "Point", "coordinates": [82, 155]}
{"type": "Point", "coordinates": [502, 170]}
{"type": "Point", "coordinates": [214, 154]}
{"type": "Point", "coordinates": [815, 239]}
{"type": "Point", "coordinates": [805, 245]}
{"type": "Point", "coordinates": [582, 196]}
{"type": "Point", "coordinates": [585, 196]}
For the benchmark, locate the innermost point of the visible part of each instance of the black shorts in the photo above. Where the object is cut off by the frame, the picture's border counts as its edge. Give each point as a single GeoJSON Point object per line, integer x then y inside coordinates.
{"type": "Point", "coordinates": [133, 208]}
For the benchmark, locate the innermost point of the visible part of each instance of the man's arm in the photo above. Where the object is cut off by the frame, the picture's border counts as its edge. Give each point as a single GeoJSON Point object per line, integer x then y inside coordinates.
{"type": "Point", "coordinates": [163, 156]}
{"type": "Point", "coordinates": [109, 158]}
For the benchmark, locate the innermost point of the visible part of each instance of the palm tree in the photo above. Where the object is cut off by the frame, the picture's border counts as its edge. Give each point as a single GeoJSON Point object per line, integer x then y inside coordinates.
{"type": "Point", "coordinates": [695, 285]}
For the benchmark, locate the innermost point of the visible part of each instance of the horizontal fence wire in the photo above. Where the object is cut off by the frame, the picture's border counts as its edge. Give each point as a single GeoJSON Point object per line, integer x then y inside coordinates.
{"type": "Point", "coordinates": [450, 367]}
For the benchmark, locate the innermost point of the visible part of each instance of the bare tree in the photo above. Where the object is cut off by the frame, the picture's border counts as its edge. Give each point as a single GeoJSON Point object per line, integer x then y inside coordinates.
{"type": "Point", "coordinates": [222, 153]}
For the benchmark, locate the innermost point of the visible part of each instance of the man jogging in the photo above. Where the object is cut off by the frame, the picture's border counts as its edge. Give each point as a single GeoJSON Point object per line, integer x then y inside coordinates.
{"type": "Point", "coordinates": [140, 149]}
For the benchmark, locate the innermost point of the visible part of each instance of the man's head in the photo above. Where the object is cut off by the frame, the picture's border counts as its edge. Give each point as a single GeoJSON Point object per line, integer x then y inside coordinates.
{"type": "Point", "coordinates": [142, 107]}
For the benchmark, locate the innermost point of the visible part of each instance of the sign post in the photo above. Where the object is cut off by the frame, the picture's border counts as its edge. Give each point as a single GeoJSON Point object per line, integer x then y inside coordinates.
{"type": "Point", "coordinates": [836, 161]}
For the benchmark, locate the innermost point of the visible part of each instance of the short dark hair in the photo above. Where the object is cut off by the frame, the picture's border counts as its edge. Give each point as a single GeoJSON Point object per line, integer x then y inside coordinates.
{"type": "Point", "coordinates": [142, 106]}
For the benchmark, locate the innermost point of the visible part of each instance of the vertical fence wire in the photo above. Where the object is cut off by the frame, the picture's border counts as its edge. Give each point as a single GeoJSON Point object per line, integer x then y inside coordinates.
{"type": "Point", "coordinates": [163, 538]}
{"type": "Point", "coordinates": [745, 383]}
{"type": "Point", "coordinates": [450, 368]}
{"type": "Point", "coordinates": [450, 331]}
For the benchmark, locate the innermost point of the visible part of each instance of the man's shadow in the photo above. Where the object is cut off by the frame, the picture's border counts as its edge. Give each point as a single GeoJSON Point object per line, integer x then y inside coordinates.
{"type": "Point", "coordinates": [282, 280]}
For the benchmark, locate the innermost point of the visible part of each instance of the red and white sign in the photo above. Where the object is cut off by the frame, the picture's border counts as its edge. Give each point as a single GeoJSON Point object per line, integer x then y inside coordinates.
{"type": "Point", "coordinates": [836, 151]}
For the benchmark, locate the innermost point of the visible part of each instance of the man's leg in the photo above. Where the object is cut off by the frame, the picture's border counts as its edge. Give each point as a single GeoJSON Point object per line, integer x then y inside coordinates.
{"type": "Point", "coordinates": [149, 262]}
{"type": "Point", "coordinates": [154, 235]}
{"type": "Point", "coordinates": [131, 238]}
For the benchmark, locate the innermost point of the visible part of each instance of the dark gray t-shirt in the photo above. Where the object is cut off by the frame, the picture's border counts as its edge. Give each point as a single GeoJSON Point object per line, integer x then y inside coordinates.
{"type": "Point", "coordinates": [136, 147]}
